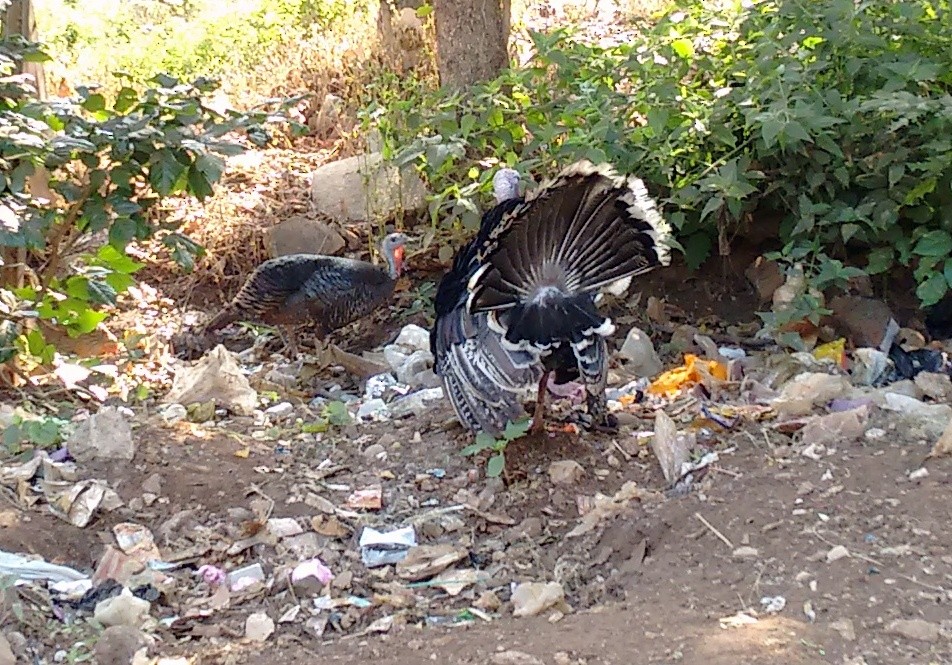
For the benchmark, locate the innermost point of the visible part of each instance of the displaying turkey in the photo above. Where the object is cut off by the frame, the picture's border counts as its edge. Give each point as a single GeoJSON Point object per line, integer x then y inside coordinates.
{"type": "Point", "coordinates": [519, 302]}
{"type": "Point", "coordinates": [327, 292]}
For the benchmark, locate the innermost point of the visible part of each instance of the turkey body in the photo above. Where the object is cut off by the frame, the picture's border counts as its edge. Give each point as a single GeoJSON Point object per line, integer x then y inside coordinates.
{"type": "Point", "coordinates": [519, 301]}
{"type": "Point", "coordinates": [327, 292]}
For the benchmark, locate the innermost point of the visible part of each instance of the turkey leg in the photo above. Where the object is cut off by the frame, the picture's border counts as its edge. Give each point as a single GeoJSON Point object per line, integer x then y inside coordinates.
{"type": "Point", "coordinates": [538, 424]}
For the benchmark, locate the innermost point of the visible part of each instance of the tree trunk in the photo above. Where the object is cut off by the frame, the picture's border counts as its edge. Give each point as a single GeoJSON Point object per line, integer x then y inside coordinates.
{"type": "Point", "coordinates": [19, 19]}
{"type": "Point", "coordinates": [472, 40]}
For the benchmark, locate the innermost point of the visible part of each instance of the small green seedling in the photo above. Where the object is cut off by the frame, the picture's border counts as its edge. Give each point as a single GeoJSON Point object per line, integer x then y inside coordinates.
{"type": "Point", "coordinates": [484, 441]}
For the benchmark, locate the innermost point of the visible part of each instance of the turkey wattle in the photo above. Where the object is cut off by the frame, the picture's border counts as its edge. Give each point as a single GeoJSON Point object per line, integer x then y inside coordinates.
{"type": "Point", "coordinates": [519, 301]}
{"type": "Point", "coordinates": [327, 292]}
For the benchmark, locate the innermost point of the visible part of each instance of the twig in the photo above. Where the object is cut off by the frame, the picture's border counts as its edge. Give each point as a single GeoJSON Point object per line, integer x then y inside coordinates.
{"type": "Point", "coordinates": [724, 539]}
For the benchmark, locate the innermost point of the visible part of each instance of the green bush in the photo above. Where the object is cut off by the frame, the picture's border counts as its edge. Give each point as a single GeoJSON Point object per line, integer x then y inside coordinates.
{"type": "Point", "coordinates": [89, 173]}
{"type": "Point", "coordinates": [835, 115]}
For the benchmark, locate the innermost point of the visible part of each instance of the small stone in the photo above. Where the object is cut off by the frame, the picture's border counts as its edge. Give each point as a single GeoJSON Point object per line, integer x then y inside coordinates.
{"type": "Point", "coordinates": [153, 484]}
{"type": "Point", "coordinates": [106, 435]}
{"type": "Point", "coordinates": [765, 276]}
{"type": "Point", "coordinates": [122, 610]}
{"type": "Point", "coordinates": [258, 627]}
{"type": "Point", "coordinates": [532, 598]}
{"type": "Point", "coordinates": [514, 658]}
{"type": "Point", "coordinates": [488, 601]}
{"type": "Point", "coordinates": [914, 629]}
{"type": "Point", "coordinates": [566, 472]}
{"type": "Point", "coordinates": [280, 411]}
{"type": "Point", "coordinates": [173, 413]}
{"type": "Point", "coordinates": [837, 553]}
{"type": "Point", "coordinates": [919, 473]}
{"type": "Point", "coordinates": [6, 652]}
{"type": "Point", "coordinates": [640, 353]}
{"type": "Point", "coordinates": [117, 645]}
{"type": "Point", "coordinates": [746, 553]}
{"type": "Point", "coordinates": [935, 386]}
{"type": "Point", "coordinates": [845, 628]}
{"type": "Point", "coordinates": [375, 451]}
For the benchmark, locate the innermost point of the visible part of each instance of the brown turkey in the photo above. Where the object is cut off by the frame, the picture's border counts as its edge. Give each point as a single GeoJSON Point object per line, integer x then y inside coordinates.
{"type": "Point", "coordinates": [327, 292]}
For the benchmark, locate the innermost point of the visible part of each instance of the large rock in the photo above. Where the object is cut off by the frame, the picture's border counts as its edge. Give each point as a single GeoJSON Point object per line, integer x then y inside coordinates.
{"type": "Point", "coordinates": [364, 187]}
{"type": "Point", "coordinates": [866, 321]}
{"type": "Point", "coordinates": [300, 235]}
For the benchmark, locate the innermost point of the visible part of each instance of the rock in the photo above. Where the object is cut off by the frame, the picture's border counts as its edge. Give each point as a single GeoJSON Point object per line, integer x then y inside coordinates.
{"type": "Point", "coordinates": [514, 658]}
{"type": "Point", "coordinates": [117, 645]}
{"type": "Point", "coordinates": [6, 652]}
{"type": "Point", "coordinates": [868, 366]}
{"type": "Point", "coordinates": [640, 353]}
{"type": "Point", "coordinates": [173, 413]}
{"type": "Point", "coordinates": [416, 404]}
{"type": "Point", "coordinates": [258, 627]}
{"type": "Point", "coordinates": [301, 235]}
{"type": "Point", "coordinates": [842, 427]}
{"type": "Point", "coordinates": [914, 629]}
{"type": "Point", "coordinates": [106, 435]}
{"type": "Point", "coordinates": [565, 472]}
{"type": "Point", "coordinates": [765, 276]}
{"type": "Point", "coordinates": [836, 553]}
{"type": "Point", "coordinates": [670, 447]}
{"type": "Point", "coordinates": [935, 386]}
{"type": "Point", "coordinates": [865, 321]}
{"type": "Point", "coordinates": [414, 337]}
{"type": "Point", "coordinates": [365, 187]}
{"type": "Point", "coordinates": [280, 411]}
{"type": "Point", "coordinates": [217, 377]}
{"type": "Point", "coordinates": [414, 367]}
{"type": "Point", "coordinates": [809, 390]}
{"type": "Point", "coordinates": [943, 446]}
{"type": "Point", "coordinates": [746, 552]}
{"type": "Point", "coordinates": [845, 628]}
{"type": "Point", "coordinates": [532, 598]}
{"type": "Point", "coordinates": [122, 610]}
{"type": "Point", "coordinates": [931, 419]}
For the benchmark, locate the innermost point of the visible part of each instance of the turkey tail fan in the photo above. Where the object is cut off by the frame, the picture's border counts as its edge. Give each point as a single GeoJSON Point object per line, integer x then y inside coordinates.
{"type": "Point", "coordinates": [543, 264]}
{"type": "Point", "coordinates": [225, 317]}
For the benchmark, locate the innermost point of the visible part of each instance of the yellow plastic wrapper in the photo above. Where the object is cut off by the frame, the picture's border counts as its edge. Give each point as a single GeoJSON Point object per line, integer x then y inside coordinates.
{"type": "Point", "coordinates": [689, 374]}
{"type": "Point", "coordinates": [835, 351]}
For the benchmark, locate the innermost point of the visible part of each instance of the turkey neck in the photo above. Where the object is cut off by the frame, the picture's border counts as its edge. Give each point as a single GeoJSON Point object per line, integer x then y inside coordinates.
{"type": "Point", "coordinates": [394, 267]}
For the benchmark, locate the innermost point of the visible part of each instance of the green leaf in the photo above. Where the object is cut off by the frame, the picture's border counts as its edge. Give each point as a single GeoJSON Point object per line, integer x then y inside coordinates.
{"type": "Point", "coordinates": [126, 99]}
{"type": "Point", "coordinates": [184, 250]}
{"type": "Point", "coordinates": [769, 130]}
{"type": "Point", "coordinates": [95, 102]}
{"type": "Point", "coordinates": [880, 260]}
{"type": "Point", "coordinates": [934, 243]}
{"type": "Point", "coordinates": [931, 291]}
{"type": "Point", "coordinates": [164, 171]}
{"type": "Point", "coordinates": [337, 413]}
{"type": "Point", "coordinates": [515, 430]}
{"type": "Point", "coordinates": [697, 249]}
{"type": "Point", "coordinates": [495, 465]}
{"type": "Point", "coordinates": [110, 257]}
{"type": "Point", "coordinates": [485, 440]}
{"type": "Point", "coordinates": [198, 184]}
{"type": "Point", "coordinates": [684, 48]}
{"type": "Point", "coordinates": [87, 320]}
{"type": "Point", "coordinates": [211, 166]}
{"type": "Point", "coordinates": [947, 271]}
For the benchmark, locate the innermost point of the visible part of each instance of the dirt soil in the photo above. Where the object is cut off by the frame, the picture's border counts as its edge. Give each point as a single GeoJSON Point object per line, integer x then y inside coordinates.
{"type": "Point", "coordinates": [650, 585]}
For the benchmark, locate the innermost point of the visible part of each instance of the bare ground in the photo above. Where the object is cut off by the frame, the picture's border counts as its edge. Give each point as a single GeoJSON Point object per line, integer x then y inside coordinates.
{"type": "Point", "coordinates": [648, 586]}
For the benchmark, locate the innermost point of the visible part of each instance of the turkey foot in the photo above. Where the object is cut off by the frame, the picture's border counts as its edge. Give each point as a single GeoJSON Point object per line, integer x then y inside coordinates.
{"type": "Point", "coordinates": [607, 423]}
{"type": "Point", "coordinates": [538, 420]}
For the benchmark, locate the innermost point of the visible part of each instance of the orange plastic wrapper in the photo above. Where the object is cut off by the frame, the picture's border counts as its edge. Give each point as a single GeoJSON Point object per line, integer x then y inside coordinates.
{"type": "Point", "coordinates": [674, 380]}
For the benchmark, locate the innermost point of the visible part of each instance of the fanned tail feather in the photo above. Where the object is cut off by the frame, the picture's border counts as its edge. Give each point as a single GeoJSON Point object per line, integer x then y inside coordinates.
{"type": "Point", "coordinates": [542, 265]}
